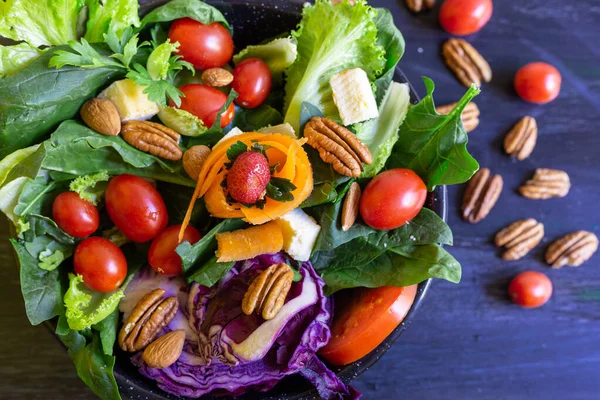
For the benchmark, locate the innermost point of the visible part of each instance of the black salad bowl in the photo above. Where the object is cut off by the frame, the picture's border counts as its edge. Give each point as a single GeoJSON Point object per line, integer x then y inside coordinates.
{"type": "Point", "coordinates": [253, 22]}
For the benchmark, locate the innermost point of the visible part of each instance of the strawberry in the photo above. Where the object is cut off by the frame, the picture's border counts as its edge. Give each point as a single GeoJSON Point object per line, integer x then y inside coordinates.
{"type": "Point", "coordinates": [248, 177]}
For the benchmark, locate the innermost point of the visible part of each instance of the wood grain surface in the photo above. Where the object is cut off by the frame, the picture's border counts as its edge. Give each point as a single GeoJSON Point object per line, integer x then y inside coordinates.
{"type": "Point", "coordinates": [467, 341]}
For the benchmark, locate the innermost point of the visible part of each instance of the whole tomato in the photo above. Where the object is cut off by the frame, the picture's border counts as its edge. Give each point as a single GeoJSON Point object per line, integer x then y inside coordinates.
{"type": "Point", "coordinates": [252, 82]}
{"type": "Point", "coordinates": [101, 264]}
{"type": "Point", "coordinates": [205, 102]}
{"type": "Point", "coordinates": [464, 17]}
{"type": "Point", "coordinates": [538, 82]}
{"type": "Point", "coordinates": [530, 289]}
{"type": "Point", "coordinates": [75, 216]}
{"type": "Point", "coordinates": [392, 198]}
{"type": "Point", "coordinates": [205, 46]}
{"type": "Point", "coordinates": [135, 207]}
{"type": "Point", "coordinates": [162, 256]}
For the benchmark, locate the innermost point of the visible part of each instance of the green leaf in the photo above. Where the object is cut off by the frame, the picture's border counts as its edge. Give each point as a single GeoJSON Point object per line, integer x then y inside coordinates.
{"type": "Point", "coordinates": [253, 119]}
{"type": "Point", "coordinates": [107, 328]}
{"type": "Point", "coordinates": [44, 238]}
{"type": "Point", "coordinates": [83, 55]}
{"type": "Point", "coordinates": [27, 115]}
{"type": "Point", "coordinates": [37, 196]}
{"type": "Point", "coordinates": [177, 9]}
{"type": "Point", "coordinates": [16, 57]}
{"type": "Point", "coordinates": [278, 54]}
{"type": "Point", "coordinates": [157, 90]}
{"type": "Point", "coordinates": [42, 290]}
{"type": "Point", "coordinates": [434, 145]}
{"type": "Point", "coordinates": [50, 261]}
{"type": "Point", "coordinates": [380, 134]}
{"type": "Point", "coordinates": [107, 16]}
{"type": "Point", "coordinates": [210, 272]}
{"type": "Point", "coordinates": [331, 39]}
{"type": "Point", "coordinates": [158, 63]}
{"type": "Point", "coordinates": [390, 38]}
{"type": "Point", "coordinates": [45, 23]}
{"type": "Point", "coordinates": [204, 249]}
{"type": "Point", "coordinates": [181, 121]}
{"type": "Point", "coordinates": [402, 266]}
{"type": "Point", "coordinates": [88, 188]}
{"type": "Point", "coordinates": [178, 202]}
{"type": "Point", "coordinates": [280, 189]}
{"type": "Point", "coordinates": [20, 164]}
{"type": "Point", "coordinates": [125, 53]}
{"type": "Point", "coordinates": [236, 149]}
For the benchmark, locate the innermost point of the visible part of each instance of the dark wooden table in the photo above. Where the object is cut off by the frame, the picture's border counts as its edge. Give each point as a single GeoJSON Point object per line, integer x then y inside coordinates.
{"type": "Point", "coordinates": [468, 341]}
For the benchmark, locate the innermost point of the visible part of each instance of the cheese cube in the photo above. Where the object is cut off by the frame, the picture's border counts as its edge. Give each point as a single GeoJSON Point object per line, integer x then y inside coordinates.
{"type": "Point", "coordinates": [353, 96]}
{"type": "Point", "coordinates": [300, 232]}
{"type": "Point", "coordinates": [130, 100]}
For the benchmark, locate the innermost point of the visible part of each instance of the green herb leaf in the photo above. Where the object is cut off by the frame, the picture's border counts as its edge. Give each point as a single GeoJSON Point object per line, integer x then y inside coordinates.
{"type": "Point", "coordinates": [158, 90]}
{"type": "Point", "coordinates": [88, 188]}
{"type": "Point", "coordinates": [83, 56]}
{"type": "Point", "coordinates": [236, 150]}
{"type": "Point", "coordinates": [210, 272]}
{"type": "Point", "coordinates": [129, 50]}
{"type": "Point", "coordinates": [280, 189]}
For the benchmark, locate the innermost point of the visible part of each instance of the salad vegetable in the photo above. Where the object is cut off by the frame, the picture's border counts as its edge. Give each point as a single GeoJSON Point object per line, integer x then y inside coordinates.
{"type": "Point", "coordinates": [224, 282]}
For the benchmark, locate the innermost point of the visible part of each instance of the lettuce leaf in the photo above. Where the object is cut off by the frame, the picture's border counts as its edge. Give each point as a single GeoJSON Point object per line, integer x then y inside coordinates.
{"type": "Point", "coordinates": [330, 39]}
{"type": "Point", "coordinates": [381, 133]}
{"type": "Point", "coordinates": [434, 145]}
{"type": "Point", "coordinates": [45, 23]}
{"type": "Point", "coordinates": [16, 57]}
{"type": "Point", "coordinates": [90, 187]}
{"type": "Point", "coordinates": [194, 9]}
{"type": "Point", "coordinates": [110, 16]}
{"type": "Point", "coordinates": [278, 54]}
{"type": "Point", "coordinates": [158, 62]}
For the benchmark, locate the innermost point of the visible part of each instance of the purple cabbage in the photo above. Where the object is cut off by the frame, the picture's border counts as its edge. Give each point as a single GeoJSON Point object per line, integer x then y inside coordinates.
{"type": "Point", "coordinates": [231, 353]}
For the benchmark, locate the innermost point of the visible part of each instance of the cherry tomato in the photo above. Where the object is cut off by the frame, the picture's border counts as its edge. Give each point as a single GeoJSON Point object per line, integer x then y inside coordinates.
{"type": "Point", "coordinates": [205, 46]}
{"type": "Point", "coordinates": [252, 81]}
{"type": "Point", "coordinates": [392, 198]}
{"type": "Point", "coordinates": [205, 102]}
{"type": "Point", "coordinates": [464, 17]}
{"type": "Point", "coordinates": [75, 216]}
{"type": "Point", "coordinates": [538, 82]}
{"type": "Point", "coordinates": [101, 264]}
{"type": "Point", "coordinates": [365, 321]}
{"type": "Point", "coordinates": [530, 289]}
{"type": "Point", "coordinates": [162, 256]}
{"type": "Point", "coordinates": [135, 207]}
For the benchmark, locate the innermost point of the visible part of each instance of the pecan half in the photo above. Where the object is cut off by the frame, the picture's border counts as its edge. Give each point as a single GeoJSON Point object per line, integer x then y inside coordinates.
{"type": "Point", "coordinates": [466, 63]}
{"type": "Point", "coordinates": [519, 238]}
{"type": "Point", "coordinates": [267, 292]}
{"type": "Point", "coordinates": [149, 316]}
{"type": "Point", "coordinates": [152, 138]}
{"type": "Point", "coordinates": [337, 146]}
{"type": "Point", "coordinates": [481, 195]}
{"type": "Point", "coordinates": [419, 5]}
{"type": "Point", "coordinates": [469, 116]}
{"type": "Point", "coordinates": [216, 77]}
{"type": "Point", "coordinates": [520, 140]}
{"type": "Point", "coordinates": [350, 206]}
{"type": "Point", "coordinates": [573, 249]}
{"type": "Point", "coordinates": [546, 183]}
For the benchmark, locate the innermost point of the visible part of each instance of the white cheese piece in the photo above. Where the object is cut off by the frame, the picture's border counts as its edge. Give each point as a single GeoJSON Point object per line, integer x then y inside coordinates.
{"type": "Point", "coordinates": [353, 96]}
{"type": "Point", "coordinates": [235, 131]}
{"type": "Point", "coordinates": [300, 232]}
{"type": "Point", "coordinates": [284, 129]}
{"type": "Point", "coordinates": [130, 100]}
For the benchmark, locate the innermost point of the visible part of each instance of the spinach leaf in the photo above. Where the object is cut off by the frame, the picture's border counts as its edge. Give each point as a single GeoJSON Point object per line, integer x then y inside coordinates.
{"type": "Point", "coordinates": [95, 368]}
{"type": "Point", "coordinates": [193, 9]}
{"type": "Point", "coordinates": [42, 290]}
{"type": "Point", "coordinates": [211, 272]}
{"type": "Point", "coordinates": [46, 242]}
{"type": "Point", "coordinates": [390, 38]}
{"type": "Point", "coordinates": [37, 196]}
{"type": "Point", "coordinates": [107, 329]}
{"type": "Point", "coordinates": [205, 248]}
{"type": "Point", "coordinates": [403, 266]}
{"type": "Point", "coordinates": [434, 145]}
{"type": "Point", "coordinates": [34, 100]}
{"type": "Point", "coordinates": [252, 119]}
{"type": "Point", "coordinates": [179, 200]}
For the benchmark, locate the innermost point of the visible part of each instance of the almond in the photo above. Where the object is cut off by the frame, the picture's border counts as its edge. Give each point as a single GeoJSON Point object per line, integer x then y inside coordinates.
{"type": "Point", "coordinates": [165, 350]}
{"type": "Point", "coordinates": [217, 77]}
{"type": "Point", "coordinates": [350, 206]}
{"type": "Point", "coordinates": [102, 116]}
{"type": "Point", "coordinates": [193, 160]}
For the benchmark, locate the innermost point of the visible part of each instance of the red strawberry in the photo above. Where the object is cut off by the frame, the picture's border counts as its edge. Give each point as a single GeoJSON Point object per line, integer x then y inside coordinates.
{"type": "Point", "coordinates": [248, 177]}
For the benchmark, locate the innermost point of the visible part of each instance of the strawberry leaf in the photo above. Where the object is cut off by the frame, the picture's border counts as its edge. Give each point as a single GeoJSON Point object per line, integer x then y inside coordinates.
{"type": "Point", "coordinates": [280, 189]}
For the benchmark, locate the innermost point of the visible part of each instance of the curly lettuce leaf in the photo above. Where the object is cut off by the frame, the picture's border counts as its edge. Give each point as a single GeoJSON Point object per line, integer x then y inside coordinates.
{"type": "Point", "coordinates": [381, 133]}
{"type": "Point", "coordinates": [278, 54]}
{"type": "Point", "coordinates": [331, 39]}
{"type": "Point", "coordinates": [434, 145]}
{"type": "Point", "coordinates": [88, 187]}
{"type": "Point", "coordinates": [194, 9]}
{"type": "Point", "coordinates": [49, 260]}
{"type": "Point", "coordinates": [110, 16]}
{"type": "Point", "coordinates": [15, 58]}
{"type": "Point", "coordinates": [45, 23]}
{"type": "Point", "coordinates": [158, 62]}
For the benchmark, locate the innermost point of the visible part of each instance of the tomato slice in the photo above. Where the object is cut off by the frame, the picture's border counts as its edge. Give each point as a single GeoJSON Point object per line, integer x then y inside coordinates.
{"type": "Point", "coordinates": [367, 318]}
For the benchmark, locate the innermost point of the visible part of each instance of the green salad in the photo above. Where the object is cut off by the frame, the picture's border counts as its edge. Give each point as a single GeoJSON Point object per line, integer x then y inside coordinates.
{"type": "Point", "coordinates": [193, 207]}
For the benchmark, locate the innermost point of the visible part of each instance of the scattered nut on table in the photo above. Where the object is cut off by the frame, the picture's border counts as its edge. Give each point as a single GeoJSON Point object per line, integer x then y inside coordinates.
{"type": "Point", "coordinates": [520, 140]}
{"type": "Point", "coordinates": [481, 195]}
{"type": "Point", "coordinates": [573, 249]}
{"type": "Point", "coordinates": [546, 183]}
{"type": "Point", "coordinates": [419, 5]}
{"type": "Point", "coordinates": [466, 62]}
{"type": "Point", "coordinates": [519, 238]}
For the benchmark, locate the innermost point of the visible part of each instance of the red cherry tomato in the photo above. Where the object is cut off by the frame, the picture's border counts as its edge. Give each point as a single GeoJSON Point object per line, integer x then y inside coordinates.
{"type": "Point", "coordinates": [538, 82]}
{"type": "Point", "coordinates": [135, 207]}
{"type": "Point", "coordinates": [392, 198]}
{"type": "Point", "coordinates": [205, 46]}
{"type": "Point", "coordinates": [365, 321]}
{"type": "Point", "coordinates": [464, 17]}
{"type": "Point", "coordinates": [162, 256]}
{"type": "Point", "coordinates": [530, 289]}
{"type": "Point", "coordinates": [101, 264]}
{"type": "Point", "coordinates": [205, 102]}
{"type": "Point", "coordinates": [252, 82]}
{"type": "Point", "coordinates": [75, 216]}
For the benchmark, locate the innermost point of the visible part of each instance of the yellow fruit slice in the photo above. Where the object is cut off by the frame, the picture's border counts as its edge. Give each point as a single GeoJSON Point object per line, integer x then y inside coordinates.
{"type": "Point", "coordinates": [248, 243]}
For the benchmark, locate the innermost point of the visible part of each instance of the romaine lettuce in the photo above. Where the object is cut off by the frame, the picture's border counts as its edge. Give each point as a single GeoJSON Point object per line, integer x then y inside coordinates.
{"type": "Point", "coordinates": [278, 54]}
{"type": "Point", "coordinates": [16, 57]}
{"type": "Point", "coordinates": [330, 39]}
{"type": "Point", "coordinates": [110, 16]}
